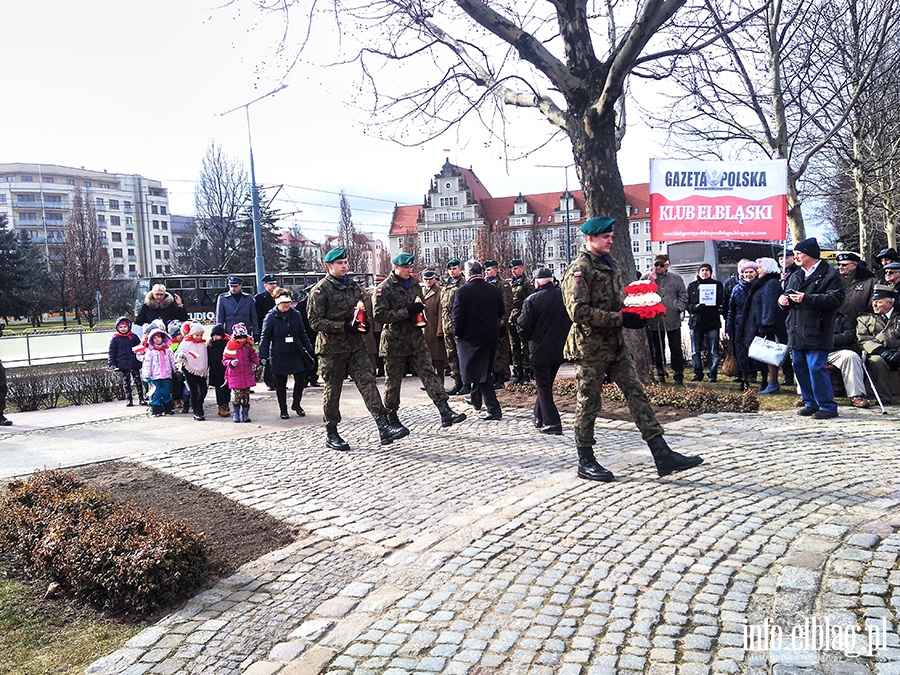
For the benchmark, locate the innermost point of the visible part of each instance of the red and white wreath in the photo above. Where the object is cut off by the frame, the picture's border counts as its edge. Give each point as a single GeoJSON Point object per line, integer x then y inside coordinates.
{"type": "Point", "coordinates": [642, 300]}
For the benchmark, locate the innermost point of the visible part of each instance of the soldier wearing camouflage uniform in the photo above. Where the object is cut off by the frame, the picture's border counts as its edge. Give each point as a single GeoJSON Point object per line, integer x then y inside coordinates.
{"type": "Point", "coordinates": [398, 301]}
{"type": "Point", "coordinates": [593, 299]}
{"type": "Point", "coordinates": [520, 287]}
{"type": "Point", "coordinates": [3, 421]}
{"type": "Point", "coordinates": [502, 355]}
{"type": "Point", "coordinates": [448, 291]}
{"type": "Point", "coordinates": [342, 350]}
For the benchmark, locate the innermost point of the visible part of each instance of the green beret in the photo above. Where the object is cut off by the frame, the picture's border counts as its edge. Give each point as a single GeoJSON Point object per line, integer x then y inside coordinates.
{"type": "Point", "coordinates": [402, 259]}
{"type": "Point", "coordinates": [516, 261]}
{"type": "Point", "coordinates": [453, 263]}
{"type": "Point", "coordinates": [598, 225]}
{"type": "Point", "coordinates": [335, 254]}
{"type": "Point", "coordinates": [490, 263]}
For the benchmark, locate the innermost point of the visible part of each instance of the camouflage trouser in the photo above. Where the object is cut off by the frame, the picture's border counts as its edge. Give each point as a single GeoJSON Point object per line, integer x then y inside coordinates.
{"type": "Point", "coordinates": [519, 348]}
{"type": "Point", "coordinates": [452, 354]}
{"type": "Point", "coordinates": [589, 380]}
{"type": "Point", "coordinates": [501, 359]}
{"type": "Point", "coordinates": [334, 369]}
{"type": "Point", "coordinates": [395, 368]}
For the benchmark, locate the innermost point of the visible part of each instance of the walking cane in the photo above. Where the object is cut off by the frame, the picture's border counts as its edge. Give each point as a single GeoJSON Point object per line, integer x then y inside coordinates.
{"type": "Point", "coordinates": [871, 382]}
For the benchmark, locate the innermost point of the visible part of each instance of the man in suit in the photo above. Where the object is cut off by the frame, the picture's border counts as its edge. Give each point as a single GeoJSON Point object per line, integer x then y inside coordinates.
{"type": "Point", "coordinates": [476, 314]}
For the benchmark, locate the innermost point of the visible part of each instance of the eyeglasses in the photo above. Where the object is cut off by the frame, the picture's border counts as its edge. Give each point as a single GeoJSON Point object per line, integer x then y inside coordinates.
{"type": "Point", "coordinates": [660, 264]}
{"type": "Point", "coordinates": [886, 272]}
{"type": "Point", "coordinates": [843, 264]}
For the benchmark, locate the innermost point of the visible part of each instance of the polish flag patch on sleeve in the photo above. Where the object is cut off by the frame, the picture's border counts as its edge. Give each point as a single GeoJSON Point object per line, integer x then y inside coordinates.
{"type": "Point", "coordinates": [576, 274]}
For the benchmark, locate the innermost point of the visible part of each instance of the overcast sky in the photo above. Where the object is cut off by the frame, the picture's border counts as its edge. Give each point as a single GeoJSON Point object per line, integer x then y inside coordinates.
{"type": "Point", "coordinates": [138, 86]}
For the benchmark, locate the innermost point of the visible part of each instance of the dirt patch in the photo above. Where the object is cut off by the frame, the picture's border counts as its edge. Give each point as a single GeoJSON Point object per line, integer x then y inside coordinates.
{"type": "Point", "coordinates": [612, 410]}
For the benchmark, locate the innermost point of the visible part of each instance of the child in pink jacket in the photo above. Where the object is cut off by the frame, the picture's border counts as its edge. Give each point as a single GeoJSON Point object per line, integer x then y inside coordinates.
{"type": "Point", "coordinates": [158, 368]}
{"type": "Point", "coordinates": [239, 358]}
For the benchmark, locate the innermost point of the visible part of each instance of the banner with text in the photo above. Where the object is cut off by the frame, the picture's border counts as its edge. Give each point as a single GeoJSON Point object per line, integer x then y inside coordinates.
{"type": "Point", "coordinates": [695, 199]}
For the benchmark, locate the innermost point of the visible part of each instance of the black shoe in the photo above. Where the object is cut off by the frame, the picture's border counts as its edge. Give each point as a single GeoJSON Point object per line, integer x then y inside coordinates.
{"type": "Point", "coordinates": [498, 386]}
{"type": "Point", "coordinates": [698, 377]}
{"type": "Point", "coordinates": [824, 414]}
{"type": "Point", "coordinates": [466, 390]}
{"type": "Point", "coordinates": [468, 401]}
{"type": "Point", "coordinates": [334, 441]}
{"type": "Point", "coordinates": [536, 421]}
{"type": "Point", "coordinates": [199, 418]}
{"type": "Point", "coordinates": [448, 417]}
{"type": "Point", "coordinates": [553, 430]}
{"type": "Point", "coordinates": [807, 411]}
{"type": "Point", "coordinates": [129, 403]}
{"type": "Point", "coordinates": [5, 422]}
{"type": "Point", "coordinates": [285, 416]}
{"type": "Point", "coordinates": [788, 383]}
{"type": "Point", "coordinates": [667, 460]}
{"type": "Point", "coordinates": [679, 379]}
{"type": "Point", "coordinates": [492, 416]}
{"type": "Point", "coordinates": [712, 377]}
{"type": "Point", "coordinates": [456, 388]}
{"type": "Point", "coordinates": [589, 469]}
{"type": "Point", "coordinates": [297, 408]}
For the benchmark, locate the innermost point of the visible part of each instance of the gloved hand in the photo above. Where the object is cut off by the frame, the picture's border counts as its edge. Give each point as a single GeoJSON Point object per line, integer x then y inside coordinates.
{"type": "Point", "coordinates": [348, 329]}
{"type": "Point", "coordinates": [631, 320]}
{"type": "Point", "coordinates": [233, 363]}
{"type": "Point", "coordinates": [264, 362]}
{"type": "Point", "coordinates": [892, 356]}
{"type": "Point", "coordinates": [414, 308]}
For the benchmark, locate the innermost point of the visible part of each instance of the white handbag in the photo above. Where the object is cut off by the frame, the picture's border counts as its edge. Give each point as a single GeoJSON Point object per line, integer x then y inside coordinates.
{"type": "Point", "coordinates": [767, 351]}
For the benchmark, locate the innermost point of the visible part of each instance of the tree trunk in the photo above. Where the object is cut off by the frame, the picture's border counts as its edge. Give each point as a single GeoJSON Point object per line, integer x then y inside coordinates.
{"type": "Point", "coordinates": [594, 147]}
{"type": "Point", "coordinates": [861, 197]}
{"type": "Point", "coordinates": [794, 214]}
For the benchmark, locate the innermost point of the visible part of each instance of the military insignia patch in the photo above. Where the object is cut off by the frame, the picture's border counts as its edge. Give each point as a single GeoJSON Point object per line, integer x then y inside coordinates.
{"type": "Point", "coordinates": [318, 291]}
{"type": "Point", "coordinates": [576, 274]}
{"type": "Point", "coordinates": [378, 291]}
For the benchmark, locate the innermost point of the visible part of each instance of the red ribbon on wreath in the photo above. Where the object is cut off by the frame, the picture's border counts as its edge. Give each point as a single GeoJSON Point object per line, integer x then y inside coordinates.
{"type": "Point", "coordinates": [644, 311]}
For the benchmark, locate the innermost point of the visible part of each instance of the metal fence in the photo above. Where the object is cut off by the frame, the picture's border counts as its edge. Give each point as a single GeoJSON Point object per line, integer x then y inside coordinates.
{"type": "Point", "coordinates": [33, 349]}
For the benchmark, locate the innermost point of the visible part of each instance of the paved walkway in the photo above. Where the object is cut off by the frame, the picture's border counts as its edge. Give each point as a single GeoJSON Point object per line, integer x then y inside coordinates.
{"type": "Point", "coordinates": [476, 550]}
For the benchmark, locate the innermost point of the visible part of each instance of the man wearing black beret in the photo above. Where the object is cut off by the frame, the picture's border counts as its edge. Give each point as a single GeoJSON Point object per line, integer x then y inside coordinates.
{"type": "Point", "coordinates": [858, 284]}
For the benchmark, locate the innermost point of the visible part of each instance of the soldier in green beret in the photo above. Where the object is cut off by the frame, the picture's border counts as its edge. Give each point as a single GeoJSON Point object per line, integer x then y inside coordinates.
{"type": "Point", "coordinates": [341, 348]}
{"type": "Point", "coordinates": [521, 287]}
{"type": "Point", "coordinates": [594, 301]}
{"type": "Point", "coordinates": [398, 308]}
{"type": "Point", "coordinates": [501, 356]}
{"type": "Point", "coordinates": [448, 292]}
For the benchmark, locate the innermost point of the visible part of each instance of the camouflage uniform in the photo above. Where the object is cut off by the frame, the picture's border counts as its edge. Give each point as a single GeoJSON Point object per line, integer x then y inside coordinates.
{"type": "Point", "coordinates": [519, 289]}
{"type": "Point", "coordinates": [331, 304]}
{"type": "Point", "coordinates": [401, 339]}
{"type": "Point", "coordinates": [594, 302]}
{"type": "Point", "coordinates": [448, 291]}
{"type": "Point", "coordinates": [501, 356]}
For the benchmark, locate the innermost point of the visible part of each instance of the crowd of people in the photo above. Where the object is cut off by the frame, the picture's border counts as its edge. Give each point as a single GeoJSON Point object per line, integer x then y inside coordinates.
{"type": "Point", "coordinates": [484, 331]}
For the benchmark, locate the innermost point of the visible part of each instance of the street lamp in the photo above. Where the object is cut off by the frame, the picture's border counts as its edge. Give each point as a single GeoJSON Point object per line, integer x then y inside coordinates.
{"type": "Point", "coordinates": [565, 167]}
{"type": "Point", "coordinates": [254, 190]}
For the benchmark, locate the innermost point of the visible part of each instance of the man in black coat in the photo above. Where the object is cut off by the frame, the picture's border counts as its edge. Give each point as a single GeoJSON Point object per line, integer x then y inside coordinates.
{"type": "Point", "coordinates": [477, 309]}
{"type": "Point", "coordinates": [265, 303]}
{"type": "Point", "coordinates": [544, 324]}
{"type": "Point", "coordinates": [812, 296]}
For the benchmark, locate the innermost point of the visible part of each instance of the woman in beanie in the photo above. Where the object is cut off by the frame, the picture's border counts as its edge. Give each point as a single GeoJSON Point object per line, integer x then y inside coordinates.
{"type": "Point", "coordinates": [763, 318]}
{"type": "Point", "coordinates": [239, 358]}
{"type": "Point", "coordinates": [122, 359]}
{"type": "Point", "coordinates": [193, 359]}
{"type": "Point", "coordinates": [734, 321]}
{"type": "Point", "coordinates": [286, 345]}
{"type": "Point", "coordinates": [215, 348]}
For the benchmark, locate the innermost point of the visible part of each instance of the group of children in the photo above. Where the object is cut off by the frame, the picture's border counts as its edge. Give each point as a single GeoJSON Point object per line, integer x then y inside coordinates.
{"type": "Point", "coordinates": [167, 358]}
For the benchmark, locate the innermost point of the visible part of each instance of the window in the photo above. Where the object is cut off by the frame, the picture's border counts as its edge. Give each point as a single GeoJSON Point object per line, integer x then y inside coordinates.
{"type": "Point", "coordinates": [446, 235]}
{"type": "Point", "coordinates": [154, 209]}
{"type": "Point", "coordinates": [157, 254]}
{"type": "Point", "coordinates": [114, 204]}
{"type": "Point", "coordinates": [162, 210]}
{"type": "Point", "coordinates": [155, 224]}
{"type": "Point", "coordinates": [166, 254]}
{"type": "Point", "coordinates": [48, 179]}
{"type": "Point", "coordinates": [105, 186]}
{"type": "Point", "coordinates": [117, 236]}
{"type": "Point", "coordinates": [101, 220]}
{"type": "Point", "coordinates": [647, 210]}
{"type": "Point", "coordinates": [101, 205]}
{"type": "Point", "coordinates": [549, 219]}
{"type": "Point", "coordinates": [646, 227]}
{"type": "Point", "coordinates": [115, 221]}
{"type": "Point", "coordinates": [70, 181]}
{"type": "Point", "coordinates": [449, 201]}
{"type": "Point", "coordinates": [117, 253]}
{"type": "Point", "coordinates": [457, 215]}
{"type": "Point", "coordinates": [28, 216]}
{"type": "Point", "coordinates": [635, 210]}
{"type": "Point", "coordinates": [2, 199]}
{"type": "Point", "coordinates": [25, 199]}
{"type": "Point", "coordinates": [441, 217]}
{"type": "Point", "coordinates": [427, 256]}
{"type": "Point", "coordinates": [86, 183]}
{"type": "Point", "coordinates": [27, 179]}
{"type": "Point", "coordinates": [551, 268]}
{"type": "Point", "coordinates": [426, 237]}
{"type": "Point", "coordinates": [164, 225]}
{"type": "Point", "coordinates": [54, 218]}
{"type": "Point", "coordinates": [10, 179]}
{"type": "Point", "coordinates": [165, 239]}
{"type": "Point", "coordinates": [132, 269]}
{"type": "Point", "coordinates": [130, 252]}
{"type": "Point", "coordinates": [549, 251]}
{"type": "Point", "coordinates": [635, 246]}
{"type": "Point", "coordinates": [649, 247]}
{"type": "Point", "coordinates": [159, 269]}
{"type": "Point", "coordinates": [635, 229]}
{"type": "Point", "coordinates": [156, 239]}
{"type": "Point", "coordinates": [53, 199]}
{"type": "Point", "coordinates": [119, 269]}
{"type": "Point", "coordinates": [127, 206]}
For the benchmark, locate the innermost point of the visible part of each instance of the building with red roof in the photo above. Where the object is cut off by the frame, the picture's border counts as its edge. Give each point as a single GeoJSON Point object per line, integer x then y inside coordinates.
{"type": "Point", "coordinates": [458, 206]}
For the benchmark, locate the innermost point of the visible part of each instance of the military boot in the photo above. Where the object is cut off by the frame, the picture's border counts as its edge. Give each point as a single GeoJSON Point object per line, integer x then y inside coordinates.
{"type": "Point", "coordinates": [448, 417]}
{"type": "Point", "coordinates": [334, 441]}
{"type": "Point", "coordinates": [389, 431]}
{"type": "Point", "coordinates": [457, 387]}
{"type": "Point", "coordinates": [667, 460]}
{"type": "Point", "coordinates": [589, 469]}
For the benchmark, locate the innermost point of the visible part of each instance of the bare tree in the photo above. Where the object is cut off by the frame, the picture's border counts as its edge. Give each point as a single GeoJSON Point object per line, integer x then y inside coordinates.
{"type": "Point", "coordinates": [348, 238]}
{"type": "Point", "coordinates": [776, 85]}
{"type": "Point", "coordinates": [534, 251]}
{"type": "Point", "coordinates": [87, 260]}
{"type": "Point", "coordinates": [495, 242]}
{"type": "Point", "coordinates": [219, 196]}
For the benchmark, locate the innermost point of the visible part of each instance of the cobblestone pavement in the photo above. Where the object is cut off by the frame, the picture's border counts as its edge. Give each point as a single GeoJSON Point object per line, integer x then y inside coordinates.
{"type": "Point", "coordinates": [475, 549]}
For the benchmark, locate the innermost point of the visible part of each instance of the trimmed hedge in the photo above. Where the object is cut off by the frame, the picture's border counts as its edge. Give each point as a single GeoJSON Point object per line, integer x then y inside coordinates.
{"type": "Point", "coordinates": [111, 555]}
{"type": "Point", "coordinates": [32, 389]}
{"type": "Point", "coordinates": [697, 399]}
